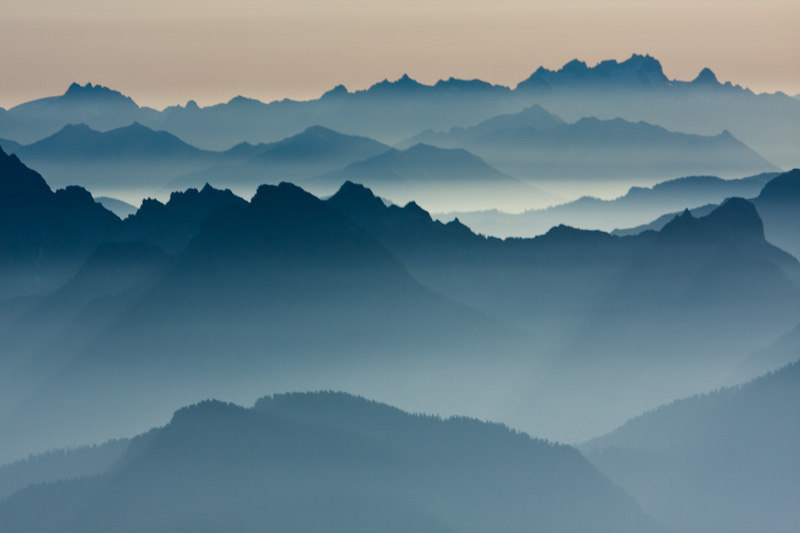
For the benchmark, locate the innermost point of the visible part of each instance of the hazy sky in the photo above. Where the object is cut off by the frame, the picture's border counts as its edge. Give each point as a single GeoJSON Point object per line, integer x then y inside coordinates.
{"type": "Point", "coordinates": [163, 52]}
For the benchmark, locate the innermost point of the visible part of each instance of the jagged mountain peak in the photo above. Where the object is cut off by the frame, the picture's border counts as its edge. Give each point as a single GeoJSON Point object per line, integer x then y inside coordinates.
{"type": "Point", "coordinates": [95, 93]}
{"type": "Point", "coordinates": [354, 197]}
{"type": "Point", "coordinates": [638, 70]}
{"type": "Point", "coordinates": [735, 218]}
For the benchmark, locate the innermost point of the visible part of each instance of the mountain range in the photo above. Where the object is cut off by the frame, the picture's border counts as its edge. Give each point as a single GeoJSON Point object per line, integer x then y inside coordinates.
{"type": "Point", "coordinates": [329, 462]}
{"type": "Point", "coordinates": [777, 204]}
{"type": "Point", "coordinates": [352, 293]}
{"type": "Point", "coordinates": [537, 149]}
{"type": "Point", "coordinates": [635, 90]}
{"type": "Point", "coordinates": [533, 145]}
{"type": "Point", "coordinates": [637, 205]}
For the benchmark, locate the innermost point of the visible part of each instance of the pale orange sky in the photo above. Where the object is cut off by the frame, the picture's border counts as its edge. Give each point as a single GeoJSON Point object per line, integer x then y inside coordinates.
{"type": "Point", "coordinates": [163, 52]}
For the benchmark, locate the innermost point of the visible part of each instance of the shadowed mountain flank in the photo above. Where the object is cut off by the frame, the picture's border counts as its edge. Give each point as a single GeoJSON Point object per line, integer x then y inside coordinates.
{"type": "Point", "coordinates": [45, 236]}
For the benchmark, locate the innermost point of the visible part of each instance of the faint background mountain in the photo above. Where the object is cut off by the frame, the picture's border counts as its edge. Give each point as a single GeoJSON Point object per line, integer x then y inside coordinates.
{"type": "Point", "coordinates": [312, 152]}
{"type": "Point", "coordinates": [131, 157]}
{"type": "Point", "coordinates": [436, 177]}
{"type": "Point", "coordinates": [99, 107]}
{"type": "Point", "coordinates": [118, 207]}
{"type": "Point", "coordinates": [592, 149]}
{"type": "Point", "coordinates": [724, 461]}
{"type": "Point", "coordinates": [639, 204]}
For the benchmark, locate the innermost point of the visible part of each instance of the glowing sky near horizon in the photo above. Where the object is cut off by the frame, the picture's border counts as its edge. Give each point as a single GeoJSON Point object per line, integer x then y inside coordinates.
{"type": "Point", "coordinates": [165, 52]}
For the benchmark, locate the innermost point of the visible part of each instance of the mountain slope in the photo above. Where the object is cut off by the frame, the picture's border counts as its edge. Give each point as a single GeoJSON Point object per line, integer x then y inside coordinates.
{"type": "Point", "coordinates": [651, 317]}
{"type": "Point", "coordinates": [724, 461]}
{"type": "Point", "coordinates": [44, 236]}
{"type": "Point", "coordinates": [779, 206]}
{"type": "Point", "coordinates": [278, 466]}
{"type": "Point", "coordinates": [281, 289]}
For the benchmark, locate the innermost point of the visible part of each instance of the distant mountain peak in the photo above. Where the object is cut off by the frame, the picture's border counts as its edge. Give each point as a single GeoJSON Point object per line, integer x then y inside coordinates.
{"type": "Point", "coordinates": [282, 194]}
{"type": "Point", "coordinates": [404, 84]}
{"type": "Point", "coordinates": [95, 93]}
{"type": "Point", "coordinates": [575, 66]}
{"type": "Point", "coordinates": [80, 127]}
{"type": "Point", "coordinates": [706, 77]}
{"type": "Point", "coordinates": [638, 70]}
{"type": "Point", "coordinates": [319, 130]}
{"type": "Point", "coordinates": [244, 101]}
{"type": "Point", "coordinates": [339, 90]}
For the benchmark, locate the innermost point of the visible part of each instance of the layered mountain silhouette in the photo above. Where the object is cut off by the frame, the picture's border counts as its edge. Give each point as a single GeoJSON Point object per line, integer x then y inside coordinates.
{"type": "Point", "coordinates": [289, 288]}
{"type": "Point", "coordinates": [390, 111]}
{"type": "Point", "coordinates": [638, 90]}
{"type": "Point", "coordinates": [130, 157]}
{"type": "Point", "coordinates": [627, 315]}
{"type": "Point", "coordinates": [637, 205]}
{"type": "Point", "coordinates": [429, 175]}
{"type": "Point", "coordinates": [312, 152]}
{"type": "Point", "coordinates": [639, 71]}
{"type": "Point", "coordinates": [47, 236]}
{"type": "Point", "coordinates": [331, 462]}
{"type": "Point", "coordinates": [591, 149]}
{"type": "Point", "coordinates": [293, 285]}
{"type": "Point", "coordinates": [724, 461]}
{"type": "Point", "coordinates": [100, 107]}
{"type": "Point", "coordinates": [419, 165]}
{"type": "Point", "coordinates": [777, 204]}
{"type": "Point", "coordinates": [534, 117]}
